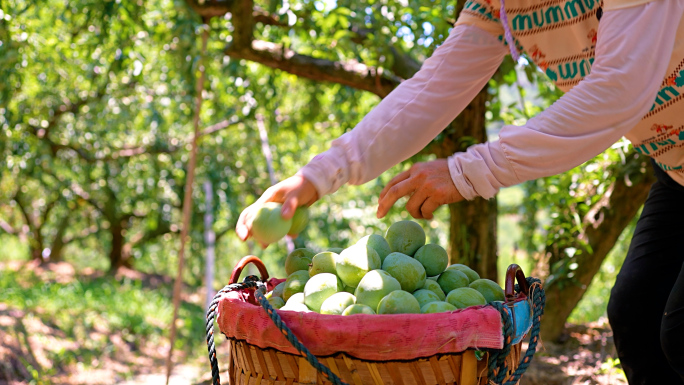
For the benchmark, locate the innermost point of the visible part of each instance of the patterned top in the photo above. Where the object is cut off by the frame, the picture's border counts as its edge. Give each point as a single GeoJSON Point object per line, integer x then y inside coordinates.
{"type": "Point", "coordinates": [560, 37]}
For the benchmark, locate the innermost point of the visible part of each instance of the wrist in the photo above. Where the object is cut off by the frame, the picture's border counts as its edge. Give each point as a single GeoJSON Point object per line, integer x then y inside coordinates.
{"type": "Point", "coordinates": [308, 190]}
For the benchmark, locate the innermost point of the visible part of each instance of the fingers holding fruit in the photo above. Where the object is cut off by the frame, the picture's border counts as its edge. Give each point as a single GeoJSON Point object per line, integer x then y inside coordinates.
{"type": "Point", "coordinates": [278, 212]}
{"type": "Point", "coordinates": [292, 192]}
{"type": "Point", "coordinates": [429, 186]}
{"type": "Point", "coordinates": [244, 223]}
{"type": "Point", "coordinates": [265, 223]}
{"type": "Point", "coordinates": [299, 221]}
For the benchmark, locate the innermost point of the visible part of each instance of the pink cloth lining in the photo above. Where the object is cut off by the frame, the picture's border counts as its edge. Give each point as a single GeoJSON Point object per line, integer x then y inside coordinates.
{"type": "Point", "coordinates": [370, 337]}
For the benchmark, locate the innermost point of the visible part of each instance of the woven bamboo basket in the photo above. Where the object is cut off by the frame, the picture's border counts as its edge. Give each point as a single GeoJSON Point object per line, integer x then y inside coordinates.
{"type": "Point", "coordinates": [252, 365]}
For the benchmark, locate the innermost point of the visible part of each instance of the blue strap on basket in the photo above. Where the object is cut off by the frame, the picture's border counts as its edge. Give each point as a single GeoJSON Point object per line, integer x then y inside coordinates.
{"type": "Point", "coordinates": [497, 358]}
{"type": "Point", "coordinates": [521, 316]}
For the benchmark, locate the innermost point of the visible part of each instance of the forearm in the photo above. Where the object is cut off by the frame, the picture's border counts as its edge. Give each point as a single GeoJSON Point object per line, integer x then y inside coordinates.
{"type": "Point", "coordinates": [624, 81]}
{"type": "Point", "coordinates": [413, 114]}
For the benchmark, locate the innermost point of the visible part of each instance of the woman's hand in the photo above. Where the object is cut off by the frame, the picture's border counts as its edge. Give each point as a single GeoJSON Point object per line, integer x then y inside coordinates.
{"type": "Point", "coordinates": [292, 192]}
{"type": "Point", "coordinates": [429, 184]}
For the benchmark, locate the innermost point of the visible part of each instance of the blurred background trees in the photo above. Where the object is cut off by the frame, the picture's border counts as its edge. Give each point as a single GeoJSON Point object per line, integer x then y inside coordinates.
{"type": "Point", "coordinates": [96, 105]}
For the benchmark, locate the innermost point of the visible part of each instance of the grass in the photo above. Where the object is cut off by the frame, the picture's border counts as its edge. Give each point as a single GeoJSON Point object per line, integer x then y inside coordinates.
{"type": "Point", "coordinates": [94, 322]}
{"type": "Point", "coordinates": [12, 249]}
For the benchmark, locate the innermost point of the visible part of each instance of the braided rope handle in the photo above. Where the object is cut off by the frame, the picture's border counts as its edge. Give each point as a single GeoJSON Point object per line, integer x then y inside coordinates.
{"type": "Point", "coordinates": [253, 282]}
{"type": "Point", "coordinates": [538, 301]}
{"type": "Point", "coordinates": [249, 283]}
{"type": "Point", "coordinates": [497, 365]}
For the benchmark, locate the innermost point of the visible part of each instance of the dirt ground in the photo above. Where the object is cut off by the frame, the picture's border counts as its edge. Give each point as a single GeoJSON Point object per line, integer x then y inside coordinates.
{"type": "Point", "coordinates": [585, 357]}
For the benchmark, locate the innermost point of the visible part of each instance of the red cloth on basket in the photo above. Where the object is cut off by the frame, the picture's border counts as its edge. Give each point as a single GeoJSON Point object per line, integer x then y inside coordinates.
{"type": "Point", "coordinates": [371, 337]}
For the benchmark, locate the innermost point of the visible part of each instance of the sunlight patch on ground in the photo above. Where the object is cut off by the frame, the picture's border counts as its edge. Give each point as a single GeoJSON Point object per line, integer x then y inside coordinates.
{"type": "Point", "coordinates": [182, 375]}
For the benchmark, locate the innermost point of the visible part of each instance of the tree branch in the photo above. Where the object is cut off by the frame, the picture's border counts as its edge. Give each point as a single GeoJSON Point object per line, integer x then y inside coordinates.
{"type": "Point", "coordinates": [220, 234]}
{"type": "Point", "coordinates": [265, 18]}
{"type": "Point", "coordinates": [242, 19]}
{"type": "Point", "coordinates": [49, 208]}
{"type": "Point", "coordinates": [27, 217]}
{"type": "Point", "coordinates": [243, 46]}
{"type": "Point", "coordinates": [55, 147]}
{"type": "Point", "coordinates": [601, 227]}
{"type": "Point", "coordinates": [134, 151]}
{"type": "Point", "coordinates": [128, 152]}
{"type": "Point", "coordinates": [81, 193]}
{"type": "Point", "coordinates": [218, 8]}
{"type": "Point", "coordinates": [82, 235]}
{"type": "Point", "coordinates": [350, 73]}
{"type": "Point", "coordinates": [6, 227]}
{"type": "Point", "coordinates": [70, 106]}
{"type": "Point", "coordinates": [58, 242]}
{"type": "Point", "coordinates": [164, 227]}
{"type": "Point", "coordinates": [403, 64]}
{"type": "Point", "coordinates": [218, 127]}
{"type": "Point", "coordinates": [211, 8]}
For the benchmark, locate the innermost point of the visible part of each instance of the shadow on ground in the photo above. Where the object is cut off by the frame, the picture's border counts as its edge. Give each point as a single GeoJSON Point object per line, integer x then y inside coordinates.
{"type": "Point", "coordinates": [59, 327]}
{"type": "Point", "coordinates": [586, 355]}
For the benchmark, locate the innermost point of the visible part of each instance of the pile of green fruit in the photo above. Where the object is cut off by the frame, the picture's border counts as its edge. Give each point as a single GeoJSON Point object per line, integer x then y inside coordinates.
{"type": "Point", "coordinates": [394, 274]}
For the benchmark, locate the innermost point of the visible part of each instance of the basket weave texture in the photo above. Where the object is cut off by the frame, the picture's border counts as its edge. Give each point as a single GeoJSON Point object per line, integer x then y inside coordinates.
{"type": "Point", "coordinates": [252, 365]}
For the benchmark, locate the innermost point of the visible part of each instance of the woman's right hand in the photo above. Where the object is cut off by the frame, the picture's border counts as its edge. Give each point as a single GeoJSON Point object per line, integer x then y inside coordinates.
{"type": "Point", "coordinates": [292, 192]}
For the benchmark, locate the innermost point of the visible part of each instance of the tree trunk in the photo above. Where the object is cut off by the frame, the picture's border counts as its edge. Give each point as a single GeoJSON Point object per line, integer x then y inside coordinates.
{"type": "Point", "coordinates": [36, 252]}
{"type": "Point", "coordinates": [58, 242]}
{"type": "Point", "coordinates": [36, 243]}
{"type": "Point", "coordinates": [116, 251]}
{"type": "Point", "coordinates": [602, 226]}
{"type": "Point", "coordinates": [472, 235]}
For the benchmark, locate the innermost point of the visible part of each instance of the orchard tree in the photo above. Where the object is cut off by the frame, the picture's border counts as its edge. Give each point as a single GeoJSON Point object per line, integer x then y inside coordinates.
{"type": "Point", "coordinates": [88, 124]}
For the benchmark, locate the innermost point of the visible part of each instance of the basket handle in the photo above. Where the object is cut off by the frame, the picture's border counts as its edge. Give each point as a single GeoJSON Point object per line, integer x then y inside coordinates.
{"type": "Point", "coordinates": [513, 273]}
{"type": "Point", "coordinates": [243, 263]}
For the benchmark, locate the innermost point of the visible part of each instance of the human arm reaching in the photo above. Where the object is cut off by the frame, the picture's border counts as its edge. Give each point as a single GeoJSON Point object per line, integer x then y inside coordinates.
{"type": "Point", "coordinates": [413, 114]}
{"type": "Point", "coordinates": [624, 81]}
{"type": "Point", "coordinates": [400, 126]}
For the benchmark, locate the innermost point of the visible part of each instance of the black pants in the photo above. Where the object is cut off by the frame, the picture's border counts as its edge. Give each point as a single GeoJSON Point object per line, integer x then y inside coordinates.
{"type": "Point", "coordinates": [646, 307]}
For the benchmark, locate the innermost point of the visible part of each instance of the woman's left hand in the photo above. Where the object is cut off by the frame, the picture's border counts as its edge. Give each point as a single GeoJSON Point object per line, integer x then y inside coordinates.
{"type": "Point", "coordinates": [429, 184]}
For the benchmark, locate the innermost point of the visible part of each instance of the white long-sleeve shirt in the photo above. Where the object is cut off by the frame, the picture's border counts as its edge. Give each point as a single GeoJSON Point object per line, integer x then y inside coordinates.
{"type": "Point", "coordinates": [637, 46]}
